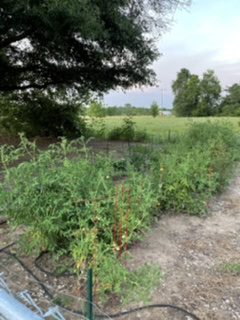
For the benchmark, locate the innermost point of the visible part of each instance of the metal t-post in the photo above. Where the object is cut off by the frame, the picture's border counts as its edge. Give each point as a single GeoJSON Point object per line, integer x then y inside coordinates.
{"type": "Point", "coordinates": [90, 294]}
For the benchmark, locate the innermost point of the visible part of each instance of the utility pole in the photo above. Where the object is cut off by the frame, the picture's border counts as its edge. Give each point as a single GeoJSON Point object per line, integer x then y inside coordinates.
{"type": "Point", "coordinates": [162, 90]}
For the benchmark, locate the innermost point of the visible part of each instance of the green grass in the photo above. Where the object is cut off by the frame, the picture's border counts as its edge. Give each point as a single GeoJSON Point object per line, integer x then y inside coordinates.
{"type": "Point", "coordinates": [142, 284]}
{"type": "Point", "coordinates": [163, 126]}
{"type": "Point", "coordinates": [233, 268]}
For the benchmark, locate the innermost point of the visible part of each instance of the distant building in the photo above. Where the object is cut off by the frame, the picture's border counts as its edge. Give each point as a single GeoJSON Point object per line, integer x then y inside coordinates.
{"type": "Point", "coordinates": [165, 113]}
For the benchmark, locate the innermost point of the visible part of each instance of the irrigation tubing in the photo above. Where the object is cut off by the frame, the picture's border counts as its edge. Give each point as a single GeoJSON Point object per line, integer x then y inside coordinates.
{"type": "Point", "coordinates": [7, 247]}
{"type": "Point", "coordinates": [98, 316]}
{"type": "Point", "coordinates": [49, 273]}
{"type": "Point", "coordinates": [44, 288]}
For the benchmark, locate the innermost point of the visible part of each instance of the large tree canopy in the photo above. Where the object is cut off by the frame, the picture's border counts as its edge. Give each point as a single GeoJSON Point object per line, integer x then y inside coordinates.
{"type": "Point", "coordinates": [230, 105]}
{"type": "Point", "coordinates": [88, 45]}
{"type": "Point", "coordinates": [210, 93]}
{"type": "Point", "coordinates": [186, 90]}
{"type": "Point", "coordinates": [195, 96]}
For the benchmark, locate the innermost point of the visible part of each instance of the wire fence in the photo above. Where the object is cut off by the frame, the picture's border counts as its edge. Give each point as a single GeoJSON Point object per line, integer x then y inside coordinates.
{"type": "Point", "coordinates": [19, 277]}
{"type": "Point", "coordinates": [39, 301]}
{"type": "Point", "coordinates": [47, 300]}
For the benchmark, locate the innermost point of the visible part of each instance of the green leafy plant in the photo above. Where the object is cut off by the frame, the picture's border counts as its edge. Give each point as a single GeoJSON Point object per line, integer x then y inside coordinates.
{"type": "Point", "coordinates": [127, 132]}
{"type": "Point", "coordinates": [40, 114]}
{"type": "Point", "coordinates": [96, 109]}
{"type": "Point", "coordinates": [94, 209]}
{"type": "Point", "coordinates": [71, 205]}
{"type": "Point", "coordinates": [154, 109]}
{"type": "Point", "coordinates": [191, 171]}
{"type": "Point", "coordinates": [96, 127]}
{"type": "Point", "coordinates": [141, 284]}
{"type": "Point", "coordinates": [233, 268]}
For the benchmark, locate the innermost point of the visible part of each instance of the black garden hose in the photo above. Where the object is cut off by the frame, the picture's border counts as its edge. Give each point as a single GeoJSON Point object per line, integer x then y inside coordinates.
{"type": "Point", "coordinates": [115, 315]}
{"type": "Point", "coordinates": [50, 273]}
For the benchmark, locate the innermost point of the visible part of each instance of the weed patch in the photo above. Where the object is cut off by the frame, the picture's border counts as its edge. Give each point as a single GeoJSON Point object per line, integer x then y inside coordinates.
{"type": "Point", "coordinates": [71, 204]}
{"type": "Point", "coordinates": [197, 167]}
{"type": "Point", "coordinates": [93, 209]}
{"type": "Point", "coordinates": [127, 132]}
{"type": "Point", "coordinates": [187, 172]}
{"type": "Point", "coordinates": [233, 268]}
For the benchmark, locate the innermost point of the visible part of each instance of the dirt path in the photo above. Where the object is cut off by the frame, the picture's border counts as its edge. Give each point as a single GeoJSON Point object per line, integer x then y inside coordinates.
{"type": "Point", "coordinates": [192, 251]}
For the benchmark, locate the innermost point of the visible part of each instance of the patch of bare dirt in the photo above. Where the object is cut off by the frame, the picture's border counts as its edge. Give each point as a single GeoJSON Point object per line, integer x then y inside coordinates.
{"type": "Point", "coordinates": [191, 251]}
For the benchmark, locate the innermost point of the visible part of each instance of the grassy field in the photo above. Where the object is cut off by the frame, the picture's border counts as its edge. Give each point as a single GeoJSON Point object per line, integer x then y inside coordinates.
{"type": "Point", "coordinates": [163, 126]}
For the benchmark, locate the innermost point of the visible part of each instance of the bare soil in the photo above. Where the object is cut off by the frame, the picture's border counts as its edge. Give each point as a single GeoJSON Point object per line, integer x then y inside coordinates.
{"type": "Point", "coordinates": [191, 251]}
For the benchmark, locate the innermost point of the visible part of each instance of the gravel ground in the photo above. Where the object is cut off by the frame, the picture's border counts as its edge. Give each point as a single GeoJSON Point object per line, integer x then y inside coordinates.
{"type": "Point", "coordinates": [192, 251]}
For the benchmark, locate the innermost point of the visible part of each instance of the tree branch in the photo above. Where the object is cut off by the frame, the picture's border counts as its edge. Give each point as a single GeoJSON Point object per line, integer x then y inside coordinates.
{"type": "Point", "coordinates": [10, 88]}
{"type": "Point", "coordinates": [12, 39]}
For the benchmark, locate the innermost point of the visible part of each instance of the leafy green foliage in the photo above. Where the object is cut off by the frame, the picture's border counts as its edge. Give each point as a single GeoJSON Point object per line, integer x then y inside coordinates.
{"type": "Point", "coordinates": [141, 284]}
{"type": "Point", "coordinates": [88, 45]}
{"type": "Point", "coordinates": [194, 96]}
{"type": "Point", "coordinates": [40, 114]}
{"type": "Point", "coordinates": [189, 171]}
{"type": "Point", "coordinates": [154, 109]}
{"type": "Point", "coordinates": [129, 110]}
{"type": "Point", "coordinates": [94, 208]}
{"type": "Point", "coordinates": [71, 204]}
{"type": "Point", "coordinates": [96, 127]}
{"type": "Point", "coordinates": [75, 48]}
{"type": "Point", "coordinates": [231, 103]}
{"type": "Point", "coordinates": [126, 110]}
{"type": "Point", "coordinates": [197, 167]}
{"type": "Point", "coordinates": [96, 109]}
{"type": "Point", "coordinates": [127, 132]}
{"type": "Point", "coordinates": [210, 91]}
{"type": "Point", "coordinates": [186, 90]}
{"type": "Point", "coordinates": [233, 268]}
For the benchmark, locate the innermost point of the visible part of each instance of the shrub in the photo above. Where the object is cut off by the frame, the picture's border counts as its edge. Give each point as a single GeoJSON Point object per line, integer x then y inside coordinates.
{"type": "Point", "coordinates": [127, 132]}
{"type": "Point", "coordinates": [115, 134]}
{"type": "Point", "coordinates": [96, 127]}
{"type": "Point", "coordinates": [140, 135]}
{"type": "Point", "coordinates": [191, 171]}
{"type": "Point", "coordinates": [154, 109]}
{"type": "Point", "coordinates": [96, 109]}
{"type": "Point", "coordinates": [186, 181]}
{"type": "Point", "coordinates": [205, 132]}
{"type": "Point", "coordinates": [72, 205]}
{"type": "Point", "coordinates": [39, 114]}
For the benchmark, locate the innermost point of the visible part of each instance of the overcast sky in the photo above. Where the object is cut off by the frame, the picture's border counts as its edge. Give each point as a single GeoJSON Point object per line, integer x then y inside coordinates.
{"type": "Point", "coordinates": [207, 36]}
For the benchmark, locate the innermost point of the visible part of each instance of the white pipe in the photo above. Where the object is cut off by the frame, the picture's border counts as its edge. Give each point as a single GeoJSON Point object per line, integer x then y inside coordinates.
{"type": "Point", "coordinates": [12, 309]}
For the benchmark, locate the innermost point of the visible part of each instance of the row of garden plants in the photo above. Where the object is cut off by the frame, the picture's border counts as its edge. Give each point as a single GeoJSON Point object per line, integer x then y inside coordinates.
{"type": "Point", "coordinates": [93, 208]}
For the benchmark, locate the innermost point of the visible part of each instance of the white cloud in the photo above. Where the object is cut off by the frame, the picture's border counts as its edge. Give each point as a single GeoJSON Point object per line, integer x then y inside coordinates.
{"type": "Point", "coordinates": [230, 48]}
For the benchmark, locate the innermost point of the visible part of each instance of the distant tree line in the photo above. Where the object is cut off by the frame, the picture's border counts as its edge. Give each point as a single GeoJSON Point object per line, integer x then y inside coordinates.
{"type": "Point", "coordinates": [97, 109]}
{"type": "Point", "coordinates": [203, 96]}
{"type": "Point", "coordinates": [127, 110]}
{"type": "Point", "coordinates": [230, 105]}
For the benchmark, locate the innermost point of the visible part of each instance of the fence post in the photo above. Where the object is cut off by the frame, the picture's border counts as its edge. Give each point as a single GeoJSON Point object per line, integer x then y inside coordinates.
{"type": "Point", "coordinates": [90, 294]}
{"type": "Point", "coordinates": [169, 135]}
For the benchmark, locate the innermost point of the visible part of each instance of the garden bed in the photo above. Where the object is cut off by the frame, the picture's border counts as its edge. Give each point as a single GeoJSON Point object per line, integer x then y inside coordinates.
{"type": "Point", "coordinates": [83, 211]}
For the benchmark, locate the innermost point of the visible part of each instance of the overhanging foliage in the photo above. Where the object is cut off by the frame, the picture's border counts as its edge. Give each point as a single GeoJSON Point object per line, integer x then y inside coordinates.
{"type": "Point", "coordinates": [91, 45]}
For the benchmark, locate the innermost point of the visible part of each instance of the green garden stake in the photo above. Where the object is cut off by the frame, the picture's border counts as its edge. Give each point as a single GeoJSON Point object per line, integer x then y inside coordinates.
{"type": "Point", "coordinates": [90, 294]}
